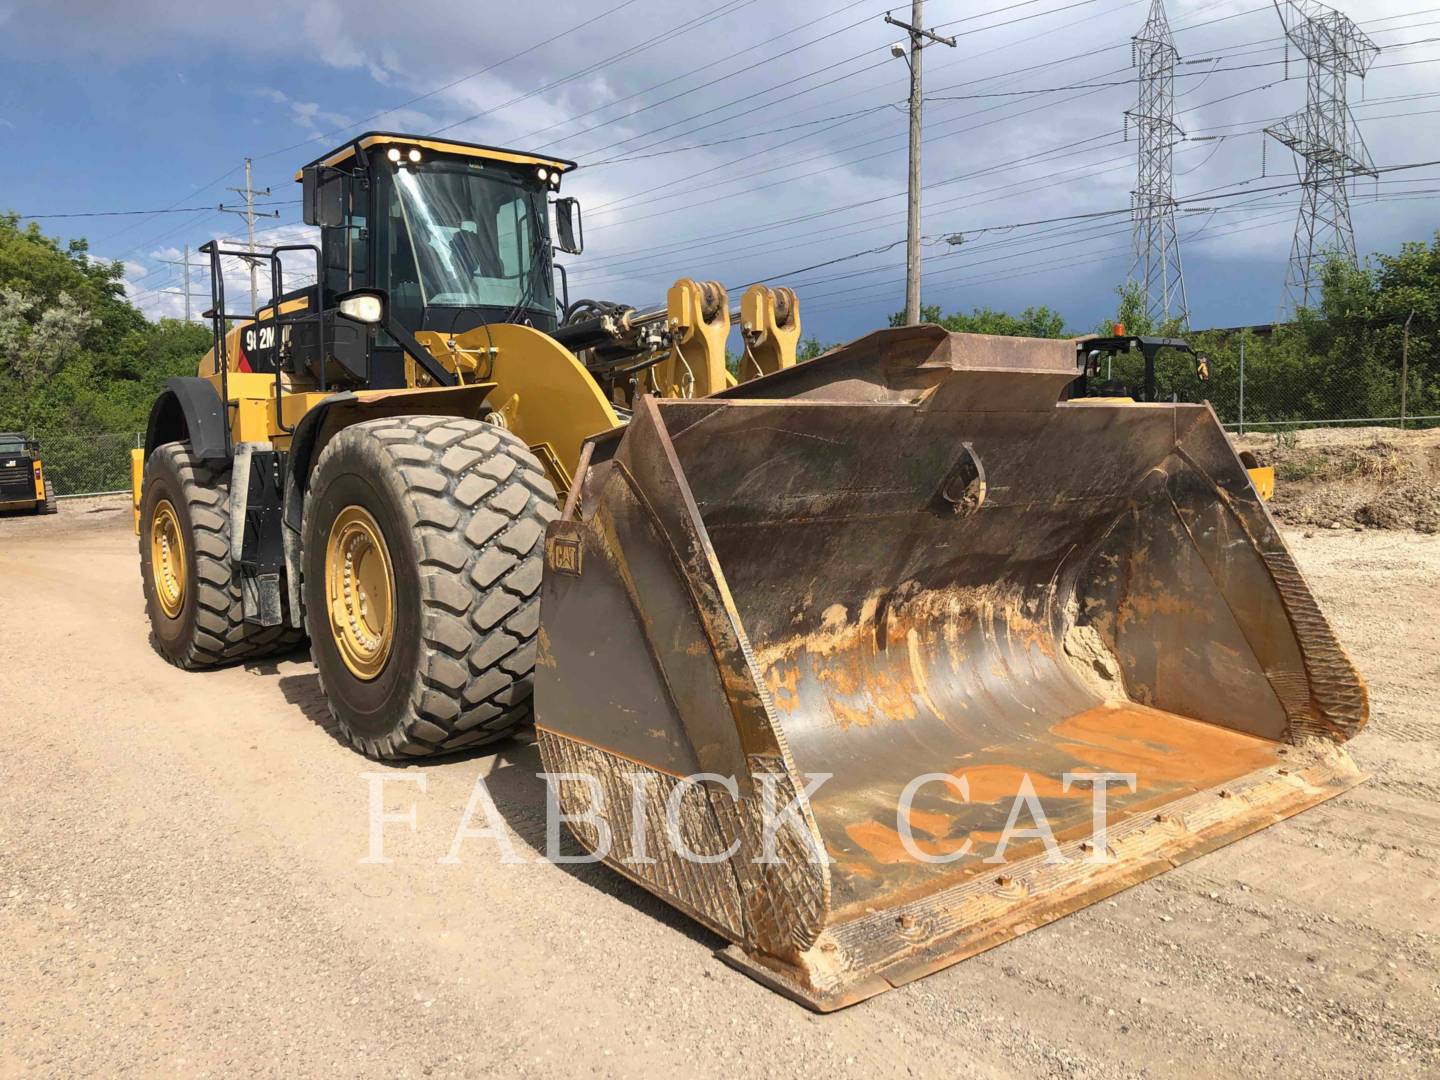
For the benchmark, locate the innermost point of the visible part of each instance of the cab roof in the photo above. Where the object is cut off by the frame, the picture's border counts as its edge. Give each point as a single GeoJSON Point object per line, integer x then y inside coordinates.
{"type": "Point", "coordinates": [370, 139]}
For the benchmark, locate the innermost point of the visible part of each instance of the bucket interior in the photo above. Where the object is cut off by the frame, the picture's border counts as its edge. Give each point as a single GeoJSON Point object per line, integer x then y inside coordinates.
{"type": "Point", "coordinates": [1096, 608]}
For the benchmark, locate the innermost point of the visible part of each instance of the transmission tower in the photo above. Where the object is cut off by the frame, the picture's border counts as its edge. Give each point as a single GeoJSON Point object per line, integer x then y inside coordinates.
{"type": "Point", "coordinates": [1326, 139]}
{"type": "Point", "coordinates": [1157, 247]}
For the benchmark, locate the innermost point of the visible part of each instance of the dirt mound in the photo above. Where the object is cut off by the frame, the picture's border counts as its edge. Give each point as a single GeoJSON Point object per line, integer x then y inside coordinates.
{"type": "Point", "coordinates": [1374, 478]}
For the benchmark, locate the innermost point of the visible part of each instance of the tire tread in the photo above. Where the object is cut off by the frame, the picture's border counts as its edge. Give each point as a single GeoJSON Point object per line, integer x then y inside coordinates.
{"type": "Point", "coordinates": [221, 635]}
{"type": "Point", "coordinates": [477, 502]}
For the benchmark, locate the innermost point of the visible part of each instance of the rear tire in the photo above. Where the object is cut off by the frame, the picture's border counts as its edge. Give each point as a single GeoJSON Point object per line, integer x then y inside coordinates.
{"type": "Point", "coordinates": [205, 627]}
{"type": "Point", "coordinates": [441, 658]}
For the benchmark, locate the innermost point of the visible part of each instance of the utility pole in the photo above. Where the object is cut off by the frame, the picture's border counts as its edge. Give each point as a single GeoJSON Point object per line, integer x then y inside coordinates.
{"type": "Point", "coordinates": [1243, 335]}
{"type": "Point", "coordinates": [183, 262]}
{"type": "Point", "coordinates": [250, 215]}
{"type": "Point", "coordinates": [1405, 367]}
{"type": "Point", "coordinates": [919, 38]}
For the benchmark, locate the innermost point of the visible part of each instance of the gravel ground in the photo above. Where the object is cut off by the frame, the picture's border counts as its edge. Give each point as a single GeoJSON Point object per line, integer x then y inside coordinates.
{"type": "Point", "coordinates": [181, 889]}
{"type": "Point", "coordinates": [1353, 477]}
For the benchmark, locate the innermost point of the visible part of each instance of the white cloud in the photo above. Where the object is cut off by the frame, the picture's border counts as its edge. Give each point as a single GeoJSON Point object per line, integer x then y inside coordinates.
{"type": "Point", "coordinates": [309, 115]}
{"type": "Point", "coordinates": [844, 175]}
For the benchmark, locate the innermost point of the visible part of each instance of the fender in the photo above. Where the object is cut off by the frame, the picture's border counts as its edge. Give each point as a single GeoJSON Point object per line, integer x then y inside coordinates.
{"type": "Point", "coordinates": [542, 391]}
{"type": "Point", "coordinates": [189, 408]}
{"type": "Point", "coordinates": [339, 411]}
{"type": "Point", "coordinates": [334, 414]}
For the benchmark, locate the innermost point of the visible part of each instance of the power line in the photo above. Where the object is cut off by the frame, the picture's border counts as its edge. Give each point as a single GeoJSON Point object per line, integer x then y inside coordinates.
{"type": "Point", "coordinates": [204, 187]}
{"type": "Point", "coordinates": [844, 117]}
{"type": "Point", "coordinates": [1271, 217]}
{"type": "Point", "coordinates": [727, 8]}
{"type": "Point", "coordinates": [860, 204]}
{"type": "Point", "coordinates": [455, 82]}
{"type": "Point", "coordinates": [133, 213]}
{"type": "Point", "coordinates": [936, 132]}
{"type": "Point", "coordinates": [1080, 217]}
{"type": "Point", "coordinates": [532, 48]}
{"type": "Point", "coordinates": [790, 164]}
{"type": "Point", "coordinates": [745, 138]}
{"type": "Point", "coordinates": [768, 90]}
{"type": "Point", "coordinates": [852, 206]}
{"type": "Point", "coordinates": [613, 271]}
{"type": "Point", "coordinates": [695, 71]}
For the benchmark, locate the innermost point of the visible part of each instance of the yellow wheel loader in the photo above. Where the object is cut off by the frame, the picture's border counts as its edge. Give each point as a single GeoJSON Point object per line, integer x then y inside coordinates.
{"type": "Point", "coordinates": [23, 483]}
{"type": "Point", "coordinates": [867, 664]}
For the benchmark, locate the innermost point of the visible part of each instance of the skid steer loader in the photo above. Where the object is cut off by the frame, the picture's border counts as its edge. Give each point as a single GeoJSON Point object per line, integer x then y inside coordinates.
{"type": "Point", "coordinates": [867, 664]}
{"type": "Point", "coordinates": [23, 483]}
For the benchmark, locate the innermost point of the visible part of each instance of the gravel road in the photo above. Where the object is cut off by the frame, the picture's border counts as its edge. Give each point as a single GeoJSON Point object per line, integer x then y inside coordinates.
{"type": "Point", "coordinates": [182, 889]}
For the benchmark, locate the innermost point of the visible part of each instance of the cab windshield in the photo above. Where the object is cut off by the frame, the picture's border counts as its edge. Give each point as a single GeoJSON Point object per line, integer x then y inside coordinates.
{"type": "Point", "coordinates": [476, 236]}
{"type": "Point", "coordinates": [13, 444]}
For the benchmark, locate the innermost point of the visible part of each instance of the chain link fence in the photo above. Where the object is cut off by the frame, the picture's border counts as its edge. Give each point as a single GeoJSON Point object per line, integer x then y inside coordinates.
{"type": "Point", "coordinates": [1258, 384]}
{"type": "Point", "coordinates": [1253, 386]}
{"type": "Point", "coordinates": [88, 463]}
{"type": "Point", "coordinates": [1255, 391]}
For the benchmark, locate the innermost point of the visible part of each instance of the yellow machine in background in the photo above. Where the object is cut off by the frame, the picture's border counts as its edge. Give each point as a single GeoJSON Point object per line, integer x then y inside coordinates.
{"type": "Point", "coordinates": [915, 578]}
{"type": "Point", "coordinates": [23, 484]}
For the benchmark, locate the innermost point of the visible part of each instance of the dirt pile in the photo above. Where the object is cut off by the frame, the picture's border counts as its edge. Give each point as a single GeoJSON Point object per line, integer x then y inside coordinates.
{"type": "Point", "coordinates": [1367, 478]}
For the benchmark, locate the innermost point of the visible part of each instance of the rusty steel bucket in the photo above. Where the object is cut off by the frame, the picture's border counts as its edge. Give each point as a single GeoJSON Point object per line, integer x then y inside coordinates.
{"type": "Point", "coordinates": [907, 575]}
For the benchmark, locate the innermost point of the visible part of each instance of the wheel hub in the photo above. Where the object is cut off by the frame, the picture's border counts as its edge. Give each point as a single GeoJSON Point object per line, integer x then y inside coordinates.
{"type": "Point", "coordinates": [167, 558]}
{"type": "Point", "coordinates": [360, 586]}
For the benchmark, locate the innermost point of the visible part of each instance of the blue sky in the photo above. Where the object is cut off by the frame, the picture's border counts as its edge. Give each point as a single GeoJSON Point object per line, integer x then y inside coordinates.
{"type": "Point", "coordinates": [733, 141]}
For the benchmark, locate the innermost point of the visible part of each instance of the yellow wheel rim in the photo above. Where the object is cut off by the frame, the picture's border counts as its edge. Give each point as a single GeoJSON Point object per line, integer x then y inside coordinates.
{"type": "Point", "coordinates": [167, 558]}
{"type": "Point", "coordinates": [360, 586]}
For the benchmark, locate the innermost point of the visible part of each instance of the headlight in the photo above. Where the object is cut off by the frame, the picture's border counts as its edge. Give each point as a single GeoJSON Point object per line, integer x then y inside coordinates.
{"type": "Point", "coordinates": [543, 174]}
{"type": "Point", "coordinates": [414, 156]}
{"type": "Point", "coordinates": [363, 307]}
{"type": "Point", "coordinates": [393, 153]}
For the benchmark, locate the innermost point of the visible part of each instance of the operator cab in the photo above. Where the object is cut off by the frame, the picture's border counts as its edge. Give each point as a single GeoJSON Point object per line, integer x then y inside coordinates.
{"type": "Point", "coordinates": [455, 234]}
{"type": "Point", "coordinates": [15, 444]}
{"type": "Point", "coordinates": [416, 234]}
{"type": "Point", "coordinates": [1124, 367]}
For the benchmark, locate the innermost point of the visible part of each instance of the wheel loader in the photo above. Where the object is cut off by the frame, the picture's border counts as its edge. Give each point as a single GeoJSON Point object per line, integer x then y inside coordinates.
{"type": "Point", "coordinates": [23, 483]}
{"type": "Point", "coordinates": [867, 664]}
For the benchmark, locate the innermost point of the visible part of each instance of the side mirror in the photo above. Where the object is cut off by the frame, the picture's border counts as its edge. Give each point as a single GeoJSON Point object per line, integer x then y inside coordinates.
{"type": "Point", "coordinates": [324, 195]}
{"type": "Point", "coordinates": [569, 235]}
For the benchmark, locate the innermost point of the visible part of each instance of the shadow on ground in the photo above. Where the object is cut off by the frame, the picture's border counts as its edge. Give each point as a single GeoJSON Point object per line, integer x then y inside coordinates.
{"type": "Point", "coordinates": [519, 792]}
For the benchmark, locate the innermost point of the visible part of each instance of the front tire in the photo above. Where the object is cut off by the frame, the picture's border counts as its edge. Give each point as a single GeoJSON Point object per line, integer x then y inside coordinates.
{"type": "Point", "coordinates": [423, 546]}
{"type": "Point", "coordinates": [192, 590]}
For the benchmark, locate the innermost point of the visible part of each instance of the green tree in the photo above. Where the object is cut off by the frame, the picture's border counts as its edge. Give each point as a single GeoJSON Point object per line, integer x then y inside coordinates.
{"type": "Point", "coordinates": [811, 348]}
{"type": "Point", "coordinates": [75, 354]}
{"type": "Point", "coordinates": [36, 338]}
{"type": "Point", "coordinates": [1131, 313]}
{"type": "Point", "coordinates": [1039, 322]}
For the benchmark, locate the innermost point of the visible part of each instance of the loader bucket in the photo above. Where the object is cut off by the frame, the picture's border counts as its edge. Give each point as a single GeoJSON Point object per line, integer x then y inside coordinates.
{"type": "Point", "coordinates": [1023, 652]}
